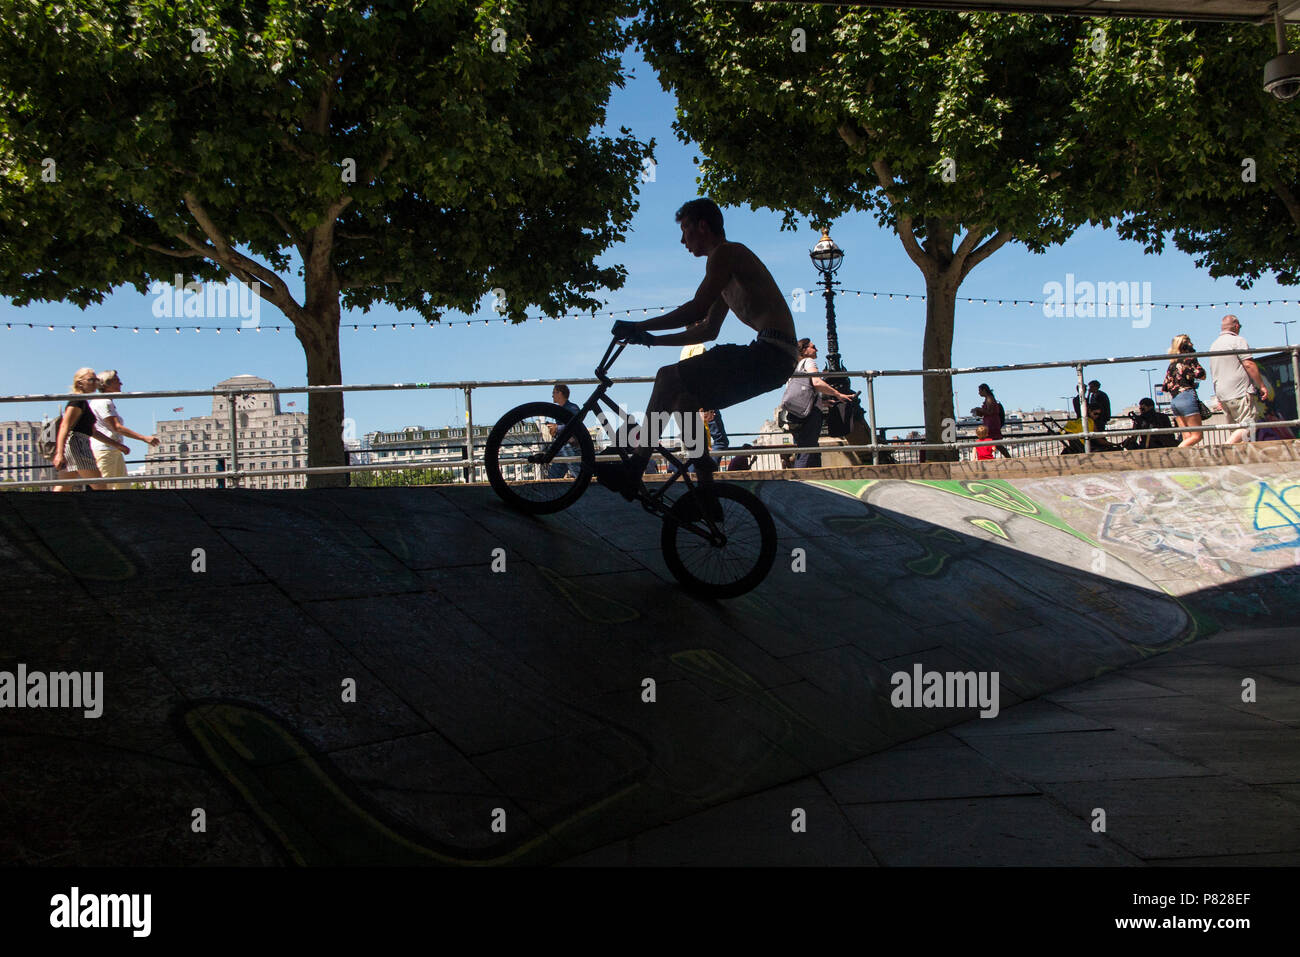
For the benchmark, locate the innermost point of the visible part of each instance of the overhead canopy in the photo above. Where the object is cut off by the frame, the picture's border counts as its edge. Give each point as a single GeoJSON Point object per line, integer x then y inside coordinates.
{"type": "Point", "coordinates": [1242, 11]}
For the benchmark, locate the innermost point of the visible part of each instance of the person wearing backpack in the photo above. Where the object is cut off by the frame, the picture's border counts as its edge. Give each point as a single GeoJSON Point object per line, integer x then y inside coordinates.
{"type": "Point", "coordinates": [994, 416]}
{"type": "Point", "coordinates": [73, 457]}
{"type": "Point", "coordinates": [803, 405]}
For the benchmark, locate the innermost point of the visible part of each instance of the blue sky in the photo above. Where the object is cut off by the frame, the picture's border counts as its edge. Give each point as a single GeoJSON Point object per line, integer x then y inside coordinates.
{"type": "Point", "coordinates": [874, 333]}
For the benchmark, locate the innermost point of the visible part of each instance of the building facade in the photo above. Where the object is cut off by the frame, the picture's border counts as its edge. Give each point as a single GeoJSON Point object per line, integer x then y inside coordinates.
{"type": "Point", "coordinates": [19, 460]}
{"type": "Point", "coordinates": [195, 451]}
{"type": "Point", "coordinates": [446, 448]}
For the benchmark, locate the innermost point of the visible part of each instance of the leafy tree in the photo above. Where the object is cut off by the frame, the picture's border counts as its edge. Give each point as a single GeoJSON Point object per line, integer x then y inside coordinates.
{"type": "Point", "coordinates": [421, 155]}
{"type": "Point", "coordinates": [820, 111]}
{"type": "Point", "coordinates": [1219, 168]}
{"type": "Point", "coordinates": [403, 477]}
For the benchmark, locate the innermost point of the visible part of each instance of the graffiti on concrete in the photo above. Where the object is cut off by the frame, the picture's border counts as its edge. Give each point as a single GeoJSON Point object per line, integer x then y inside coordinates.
{"type": "Point", "coordinates": [1278, 510]}
{"type": "Point", "coordinates": [1188, 530]}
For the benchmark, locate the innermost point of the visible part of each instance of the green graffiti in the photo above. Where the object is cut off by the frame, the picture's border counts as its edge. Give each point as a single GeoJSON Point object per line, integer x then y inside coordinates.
{"type": "Point", "coordinates": [296, 795]}
{"type": "Point", "coordinates": [853, 488]}
{"type": "Point", "coordinates": [990, 526]}
{"type": "Point", "coordinates": [929, 564]}
{"type": "Point", "coordinates": [1000, 493]}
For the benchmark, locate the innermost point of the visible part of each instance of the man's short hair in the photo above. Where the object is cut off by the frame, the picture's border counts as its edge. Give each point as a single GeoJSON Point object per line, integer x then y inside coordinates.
{"type": "Point", "coordinates": [1146, 404]}
{"type": "Point", "coordinates": [702, 211]}
{"type": "Point", "coordinates": [108, 375]}
{"type": "Point", "coordinates": [562, 389]}
{"type": "Point", "coordinates": [1094, 384]}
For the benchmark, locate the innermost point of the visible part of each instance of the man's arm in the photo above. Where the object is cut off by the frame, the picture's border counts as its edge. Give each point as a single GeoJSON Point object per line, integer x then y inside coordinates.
{"type": "Point", "coordinates": [1252, 370]}
{"type": "Point", "coordinates": [706, 330]}
{"type": "Point", "coordinates": [101, 437]}
{"type": "Point", "coordinates": [716, 276]}
{"type": "Point", "coordinates": [114, 424]}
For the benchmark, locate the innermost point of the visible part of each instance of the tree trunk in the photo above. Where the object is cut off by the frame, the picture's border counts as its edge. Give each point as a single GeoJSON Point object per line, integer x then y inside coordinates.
{"type": "Point", "coordinates": [318, 331]}
{"type": "Point", "coordinates": [936, 353]}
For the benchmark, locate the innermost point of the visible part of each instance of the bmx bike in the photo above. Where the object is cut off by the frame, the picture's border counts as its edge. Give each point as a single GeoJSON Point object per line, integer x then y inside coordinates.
{"type": "Point", "coordinates": [718, 539]}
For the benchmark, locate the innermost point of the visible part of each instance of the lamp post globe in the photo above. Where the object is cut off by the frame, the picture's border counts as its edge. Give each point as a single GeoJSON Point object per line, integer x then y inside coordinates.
{"type": "Point", "coordinates": [827, 256]}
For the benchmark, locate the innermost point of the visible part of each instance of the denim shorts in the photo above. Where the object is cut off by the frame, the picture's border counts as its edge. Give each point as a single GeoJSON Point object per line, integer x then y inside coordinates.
{"type": "Point", "coordinates": [725, 375]}
{"type": "Point", "coordinates": [1186, 404]}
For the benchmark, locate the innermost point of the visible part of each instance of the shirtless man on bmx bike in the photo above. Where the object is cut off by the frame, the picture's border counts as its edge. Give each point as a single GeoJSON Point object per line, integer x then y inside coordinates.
{"type": "Point", "coordinates": [735, 279]}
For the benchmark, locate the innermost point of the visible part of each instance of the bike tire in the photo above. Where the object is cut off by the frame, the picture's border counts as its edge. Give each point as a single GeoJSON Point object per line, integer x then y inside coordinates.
{"type": "Point", "coordinates": [536, 495]}
{"type": "Point", "coordinates": [704, 569]}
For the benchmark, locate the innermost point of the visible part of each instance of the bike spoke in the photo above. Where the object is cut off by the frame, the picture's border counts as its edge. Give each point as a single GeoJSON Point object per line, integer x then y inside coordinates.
{"type": "Point", "coordinates": [514, 454]}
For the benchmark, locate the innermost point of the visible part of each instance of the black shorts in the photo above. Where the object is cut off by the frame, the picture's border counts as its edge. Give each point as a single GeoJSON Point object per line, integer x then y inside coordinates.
{"type": "Point", "coordinates": [725, 375]}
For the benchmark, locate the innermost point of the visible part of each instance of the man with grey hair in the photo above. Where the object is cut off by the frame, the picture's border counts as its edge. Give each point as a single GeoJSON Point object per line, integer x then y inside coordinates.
{"type": "Point", "coordinates": [1237, 380]}
{"type": "Point", "coordinates": [111, 462]}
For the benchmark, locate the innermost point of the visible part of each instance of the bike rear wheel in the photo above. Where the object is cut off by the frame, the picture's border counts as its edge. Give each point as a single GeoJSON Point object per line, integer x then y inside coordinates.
{"type": "Point", "coordinates": [722, 568]}
{"type": "Point", "coordinates": [513, 453]}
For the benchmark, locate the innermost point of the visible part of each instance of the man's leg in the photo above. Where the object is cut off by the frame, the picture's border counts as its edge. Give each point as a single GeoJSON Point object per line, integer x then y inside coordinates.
{"type": "Point", "coordinates": [668, 396]}
{"type": "Point", "coordinates": [1239, 411]}
{"type": "Point", "coordinates": [112, 464]}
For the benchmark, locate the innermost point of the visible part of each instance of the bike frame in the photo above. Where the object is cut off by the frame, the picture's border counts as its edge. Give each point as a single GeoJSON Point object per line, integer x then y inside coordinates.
{"type": "Point", "coordinates": [652, 501]}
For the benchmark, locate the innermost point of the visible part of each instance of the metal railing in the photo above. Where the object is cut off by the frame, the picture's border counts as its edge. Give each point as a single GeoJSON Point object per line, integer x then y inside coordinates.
{"type": "Point", "coordinates": [235, 474]}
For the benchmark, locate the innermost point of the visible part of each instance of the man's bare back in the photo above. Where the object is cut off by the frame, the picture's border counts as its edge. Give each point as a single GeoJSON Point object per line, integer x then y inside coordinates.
{"type": "Point", "coordinates": [751, 293]}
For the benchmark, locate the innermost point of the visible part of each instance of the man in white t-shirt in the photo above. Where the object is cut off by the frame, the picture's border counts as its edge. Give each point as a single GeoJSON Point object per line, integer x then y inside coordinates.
{"type": "Point", "coordinates": [111, 462]}
{"type": "Point", "coordinates": [1236, 378]}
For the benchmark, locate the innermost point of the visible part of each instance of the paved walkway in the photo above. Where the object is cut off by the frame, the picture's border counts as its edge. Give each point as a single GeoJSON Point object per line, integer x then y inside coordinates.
{"type": "Point", "coordinates": [1184, 770]}
{"type": "Point", "coordinates": [345, 676]}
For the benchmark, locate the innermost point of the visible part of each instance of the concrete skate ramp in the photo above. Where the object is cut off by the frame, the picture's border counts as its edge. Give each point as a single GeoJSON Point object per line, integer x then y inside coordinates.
{"type": "Point", "coordinates": [421, 676]}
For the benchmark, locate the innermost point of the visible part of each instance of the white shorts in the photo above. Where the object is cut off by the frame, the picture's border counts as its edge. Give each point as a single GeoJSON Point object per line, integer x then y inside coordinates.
{"type": "Point", "coordinates": [112, 464]}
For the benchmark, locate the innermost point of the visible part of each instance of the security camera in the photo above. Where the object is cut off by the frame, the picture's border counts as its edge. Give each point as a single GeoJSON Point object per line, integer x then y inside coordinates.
{"type": "Point", "coordinates": [1282, 76]}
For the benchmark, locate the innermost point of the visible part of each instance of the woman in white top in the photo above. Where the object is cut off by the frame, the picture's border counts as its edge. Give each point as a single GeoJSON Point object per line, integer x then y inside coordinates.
{"type": "Point", "coordinates": [73, 457]}
{"type": "Point", "coordinates": [807, 431]}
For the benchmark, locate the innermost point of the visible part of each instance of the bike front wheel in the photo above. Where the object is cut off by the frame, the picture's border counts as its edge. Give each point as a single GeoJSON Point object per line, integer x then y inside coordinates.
{"type": "Point", "coordinates": [516, 464]}
{"type": "Point", "coordinates": [719, 559]}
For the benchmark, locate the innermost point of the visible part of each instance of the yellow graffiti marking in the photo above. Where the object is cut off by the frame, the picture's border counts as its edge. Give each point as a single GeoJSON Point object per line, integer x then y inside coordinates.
{"type": "Point", "coordinates": [590, 604]}
{"type": "Point", "coordinates": [990, 526]}
{"type": "Point", "coordinates": [270, 768]}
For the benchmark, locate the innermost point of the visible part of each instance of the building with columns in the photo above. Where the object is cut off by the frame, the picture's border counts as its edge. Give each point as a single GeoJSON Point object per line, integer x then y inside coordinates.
{"type": "Point", "coordinates": [195, 451]}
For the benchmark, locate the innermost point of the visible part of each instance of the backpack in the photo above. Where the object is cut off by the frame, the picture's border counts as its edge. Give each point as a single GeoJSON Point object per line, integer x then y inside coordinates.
{"type": "Point", "coordinates": [45, 442]}
{"type": "Point", "coordinates": [799, 398]}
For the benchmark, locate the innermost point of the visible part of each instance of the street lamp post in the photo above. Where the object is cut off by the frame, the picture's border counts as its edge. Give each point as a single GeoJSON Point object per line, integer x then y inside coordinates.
{"type": "Point", "coordinates": [827, 256]}
{"type": "Point", "coordinates": [1150, 394]}
{"type": "Point", "coordinates": [1285, 332]}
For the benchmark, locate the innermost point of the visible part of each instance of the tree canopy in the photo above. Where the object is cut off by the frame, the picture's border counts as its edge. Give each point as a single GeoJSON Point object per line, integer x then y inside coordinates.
{"type": "Point", "coordinates": [959, 132]}
{"type": "Point", "coordinates": [420, 155]}
{"type": "Point", "coordinates": [1219, 171]}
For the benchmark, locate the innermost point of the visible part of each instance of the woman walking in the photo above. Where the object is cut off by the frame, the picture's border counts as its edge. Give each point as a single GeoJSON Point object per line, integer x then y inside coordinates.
{"type": "Point", "coordinates": [990, 410]}
{"type": "Point", "coordinates": [1180, 383]}
{"type": "Point", "coordinates": [807, 425]}
{"type": "Point", "coordinates": [73, 457]}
